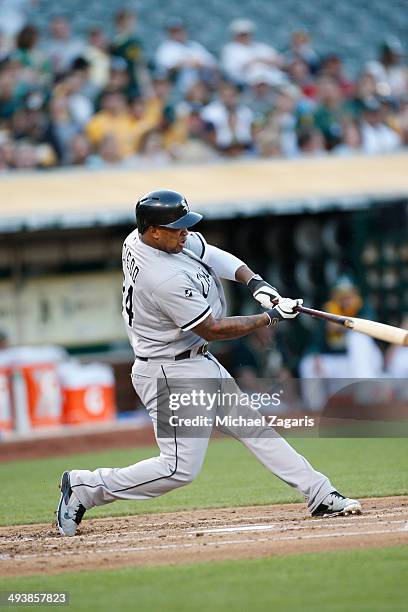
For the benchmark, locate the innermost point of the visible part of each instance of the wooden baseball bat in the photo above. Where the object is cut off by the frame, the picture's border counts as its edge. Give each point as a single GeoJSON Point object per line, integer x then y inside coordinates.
{"type": "Point", "coordinates": [380, 331]}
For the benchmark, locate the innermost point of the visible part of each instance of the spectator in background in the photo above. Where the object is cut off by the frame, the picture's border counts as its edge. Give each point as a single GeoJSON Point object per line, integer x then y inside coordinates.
{"type": "Point", "coordinates": [81, 69]}
{"type": "Point", "coordinates": [62, 48]}
{"type": "Point", "coordinates": [311, 142]}
{"type": "Point", "coordinates": [114, 119]}
{"type": "Point", "coordinates": [388, 112]}
{"type": "Point", "coordinates": [329, 111]}
{"type": "Point", "coordinates": [25, 157]}
{"type": "Point", "coordinates": [127, 45]}
{"type": "Point", "coordinates": [267, 141]}
{"type": "Point", "coordinates": [301, 48]}
{"type": "Point", "coordinates": [206, 122]}
{"type": "Point", "coordinates": [337, 352]}
{"type": "Point", "coordinates": [390, 73]}
{"type": "Point", "coordinates": [151, 151]}
{"type": "Point", "coordinates": [332, 67]}
{"type": "Point", "coordinates": [78, 91]}
{"type": "Point", "coordinates": [148, 115]}
{"type": "Point", "coordinates": [365, 90]}
{"type": "Point", "coordinates": [259, 96]}
{"type": "Point", "coordinates": [242, 55]}
{"type": "Point", "coordinates": [27, 52]}
{"type": "Point", "coordinates": [195, 99]}
{"type": "Point", "coordinates": [19, 124]}
{"type": "Point", "coordinates": [351, 139]}
{"type": "Point", "coordinates": [197, 140]}
{"type": "Point", "coordinates": [61, 128]}
{"type": "Point", "coordinates": [97, 55]}
{"type": "Point", "coordinates": [232, 121]}
{"type": "Point", "coordinates": [161, 105]}
{"type": "Point", "coordinates": [277, 136]}
{"type": "Point", "coordinates": [108, 152]}
{"type": "Point", "coordinates": [154, 112]}
{"type": "Point", "coordinates": [79, 151]}
{"type": "Point", "coordinates": [13, 88]}
{"type": "Point", "coordinates": [285, 117]}
{"type": "Point", "coordinates": [28, 124]}
{"type": "Point", "coordinates": [300, 75]}
{"type": "Point", "coordinates": [377, 137]}
{"type": "Point", "coordinates": [119, 79]}
{"type": "Point", "coordinates": [186, 61]}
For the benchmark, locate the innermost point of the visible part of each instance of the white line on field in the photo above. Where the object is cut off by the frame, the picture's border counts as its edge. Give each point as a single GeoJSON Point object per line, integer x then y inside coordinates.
{"type": "Point", "coordinates": [384, 512]}
{"type": "Point", "coordinates": [328, 523]}
{"type": "Point", "coordinates": [237, 529]}
{"type": "Point", "coordinates": [277, 527]}
{"type": "Point", "coordinates": [394, 511]}
{"type": "Point", "coordinates": [121, 550]}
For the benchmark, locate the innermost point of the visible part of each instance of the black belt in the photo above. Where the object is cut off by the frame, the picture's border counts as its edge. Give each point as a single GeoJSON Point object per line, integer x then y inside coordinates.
{"type": "Point", "coordinates": [203, 350]}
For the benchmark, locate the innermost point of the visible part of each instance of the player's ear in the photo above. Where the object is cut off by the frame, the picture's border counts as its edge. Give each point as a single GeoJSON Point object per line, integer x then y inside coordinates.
{"type": "Point", "coordinates": [154, 231]}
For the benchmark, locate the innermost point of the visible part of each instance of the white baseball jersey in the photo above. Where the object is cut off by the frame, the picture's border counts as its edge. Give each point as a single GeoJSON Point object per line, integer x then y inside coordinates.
{"type": "Point", "coordinates": [166, 295]}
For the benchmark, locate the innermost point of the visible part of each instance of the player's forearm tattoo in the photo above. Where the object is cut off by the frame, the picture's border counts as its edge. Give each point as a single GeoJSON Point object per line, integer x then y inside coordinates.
{"type": "Point", "coordinates": [231, 327]}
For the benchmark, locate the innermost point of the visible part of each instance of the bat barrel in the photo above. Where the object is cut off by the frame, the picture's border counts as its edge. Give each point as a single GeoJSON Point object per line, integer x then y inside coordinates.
{"type": "Point", "coordinates": [379, 331]}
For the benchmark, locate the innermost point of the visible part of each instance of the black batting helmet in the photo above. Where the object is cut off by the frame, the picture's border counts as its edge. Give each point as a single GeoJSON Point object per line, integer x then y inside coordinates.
{"type": "Point", "coordinates": [165, 208]}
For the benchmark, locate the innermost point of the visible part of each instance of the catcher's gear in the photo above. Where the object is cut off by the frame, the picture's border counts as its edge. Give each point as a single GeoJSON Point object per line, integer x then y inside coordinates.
{"type": "Point", "coordinates": [166, 209]}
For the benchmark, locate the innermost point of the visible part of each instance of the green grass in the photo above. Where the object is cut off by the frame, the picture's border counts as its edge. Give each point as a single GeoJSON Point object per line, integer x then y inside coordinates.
{"type": "Point", "coordinates": [346, 581]}
{"type": "Point", "coordinates": [231, 476]}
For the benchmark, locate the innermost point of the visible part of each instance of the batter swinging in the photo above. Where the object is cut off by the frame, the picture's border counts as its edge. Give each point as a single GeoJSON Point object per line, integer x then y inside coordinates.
{"type": "Point", "coordinates": [173, 303]}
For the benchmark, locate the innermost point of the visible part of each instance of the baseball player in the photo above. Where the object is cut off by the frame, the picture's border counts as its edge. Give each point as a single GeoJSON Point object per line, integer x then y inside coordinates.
{"type": "Point", "coordinates": [173, 303]}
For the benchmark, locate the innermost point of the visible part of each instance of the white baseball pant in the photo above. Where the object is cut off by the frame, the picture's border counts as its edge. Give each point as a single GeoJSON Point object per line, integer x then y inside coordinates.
{"type": "Point", "coordinates": [181, 457]}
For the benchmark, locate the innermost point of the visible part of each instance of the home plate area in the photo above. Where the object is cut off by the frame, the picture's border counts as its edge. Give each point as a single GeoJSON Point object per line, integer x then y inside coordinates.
{"type": "Point", "coordinates": [200, 535]}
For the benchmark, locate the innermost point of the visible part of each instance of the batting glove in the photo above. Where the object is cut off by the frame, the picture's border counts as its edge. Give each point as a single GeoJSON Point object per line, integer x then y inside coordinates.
{"type": "Point", "coordinates": [285, 309]}
{"type": "Point", "coordinates": [263, 292]}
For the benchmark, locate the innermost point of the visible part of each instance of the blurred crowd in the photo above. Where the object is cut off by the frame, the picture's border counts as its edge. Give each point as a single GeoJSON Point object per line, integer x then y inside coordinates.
{"type": "Point", "coordinates": [95, 101]}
